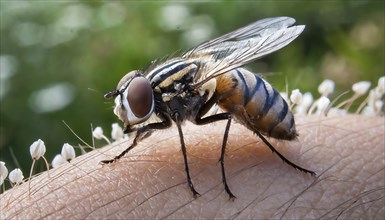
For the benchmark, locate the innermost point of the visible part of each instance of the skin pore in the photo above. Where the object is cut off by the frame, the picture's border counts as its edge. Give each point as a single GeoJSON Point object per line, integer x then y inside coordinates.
{"type": "Point", "coordinates": [346, 152]}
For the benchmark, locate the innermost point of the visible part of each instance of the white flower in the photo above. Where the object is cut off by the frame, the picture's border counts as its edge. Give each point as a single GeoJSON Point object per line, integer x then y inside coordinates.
{"type": "Point", "coordinates": [381, 86]}
{"type": "Point", "coordinates": [3, 171]}
{"type": "Point", "coordinates": [117, 132]}
{"type": "Point", "coordinates": [58, 160]}
{"type": "Point", "coordinates": [322, 105]}
{"type": "Point", "coordinates": [326, 87]}
{"type": "Point", "coordinates": [98, 133]}
{"type": "Point", "coordinates": [68, 152]}
{"type": "Point", "coordinates": [361, 88]}
{"type": "Point", "coordinates": [16, 176]}
{"type": "Point", "coordinates": [368, 110]}
{"type": "Point", "coordinates": [37, 149]}
{"type": "Point", "coordinates": [296, 97]}
{"type": "Point", "coordinates": [378, 105]}
{"type": "Point", "coordinates": [307, 100]}
{"type": "Point", "coordinates": [373, 97]}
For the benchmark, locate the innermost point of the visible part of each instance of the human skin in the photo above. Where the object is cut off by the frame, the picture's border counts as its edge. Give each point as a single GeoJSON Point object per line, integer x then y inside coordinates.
{"type": "Point", "coordinates": [346, 152]}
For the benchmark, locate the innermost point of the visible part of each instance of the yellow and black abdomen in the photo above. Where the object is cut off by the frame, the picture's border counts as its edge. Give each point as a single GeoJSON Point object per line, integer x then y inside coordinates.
{"type": "Point", "coordinates": [255, 103]}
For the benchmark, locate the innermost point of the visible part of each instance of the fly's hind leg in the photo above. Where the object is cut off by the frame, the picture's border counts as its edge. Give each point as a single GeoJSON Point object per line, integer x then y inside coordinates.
{"type": "Point", "coordinates": [222, 160]}
{"type": "Point", "coordinates": [282, 157]}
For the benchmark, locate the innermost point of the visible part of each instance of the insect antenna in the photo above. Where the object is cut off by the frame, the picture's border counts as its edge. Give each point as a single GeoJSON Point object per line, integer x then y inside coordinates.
{"type": "Point", "coordinates": [282, 157]}
{"type": "Point", "coordinates": [111, 94]}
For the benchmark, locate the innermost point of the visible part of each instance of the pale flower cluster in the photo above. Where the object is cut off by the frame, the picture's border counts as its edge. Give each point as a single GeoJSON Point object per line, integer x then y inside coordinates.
{"type": "Point", "coordinates": [306, 105]}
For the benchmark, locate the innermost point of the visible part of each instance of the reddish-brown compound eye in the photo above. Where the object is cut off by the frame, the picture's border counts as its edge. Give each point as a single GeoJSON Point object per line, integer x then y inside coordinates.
{"type": "Point", "coordinates": [139, 96]}
{"type": "Point", "coordinates": [126, 78]}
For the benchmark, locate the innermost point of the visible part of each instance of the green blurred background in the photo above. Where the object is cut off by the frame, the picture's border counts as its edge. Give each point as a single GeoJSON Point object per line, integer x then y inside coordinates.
{"type": "Point", "coordinates": [59, 58]}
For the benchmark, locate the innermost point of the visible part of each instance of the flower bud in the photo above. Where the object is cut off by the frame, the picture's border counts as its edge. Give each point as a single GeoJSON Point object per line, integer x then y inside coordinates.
{"type": "Point", "coordinates": [326, 87]}
{"type": "Point", "coordinates": [296, 97]}
{"type": "Point", "coordinates": [322, 105]}
{"type": "Point", "coordinates": [68, 152]}
{"type": "Point", "coordinates": [98, 133]}
{"type": "Point", "coordinates": [3, 170]}
{"type": "Point", "coordinates": [361, 88]}
{"type": "Point", "coordinates": [16, 176]}
{"type": "Point", "coordinates": [37, 149]}
{"type": "Point", "coordinates": [117, 132]}
{"type": "Point", "coordinates": [58, 160]}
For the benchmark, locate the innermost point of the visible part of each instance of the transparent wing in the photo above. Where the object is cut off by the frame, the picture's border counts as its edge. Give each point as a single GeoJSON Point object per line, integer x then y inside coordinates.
{"type": "Point", "coordinates": [243, 46]}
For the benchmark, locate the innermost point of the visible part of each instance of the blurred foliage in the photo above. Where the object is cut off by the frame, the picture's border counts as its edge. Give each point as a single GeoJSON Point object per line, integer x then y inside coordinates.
{"type": "Point", "coordinates": [58, 58]}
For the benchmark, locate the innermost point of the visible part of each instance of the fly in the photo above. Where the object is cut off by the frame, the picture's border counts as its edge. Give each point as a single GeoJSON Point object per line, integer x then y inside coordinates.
{"type": "Point", "coordinates": [187, 87]}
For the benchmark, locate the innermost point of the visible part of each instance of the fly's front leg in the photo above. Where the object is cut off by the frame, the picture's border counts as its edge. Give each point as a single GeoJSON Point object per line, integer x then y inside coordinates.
{"type": "Point", "coordinates": [154, 126]}
{"type": "Point", "coordinates": [184, 151]}
{"type": "Point", "coordinates": [213, 118]}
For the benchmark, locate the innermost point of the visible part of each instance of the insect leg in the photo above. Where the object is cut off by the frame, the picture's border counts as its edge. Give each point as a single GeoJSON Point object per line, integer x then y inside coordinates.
{"type": "Point", "coordinates": [222, 160]}
{"type": "Point", "coordinates": [154, 126]}
{"type": "Point", "coordinates": [210, 119]}
{"type": "Point", "coordinates": [184, 151]}
{"type": "Point", "coordinates": [282, 157]}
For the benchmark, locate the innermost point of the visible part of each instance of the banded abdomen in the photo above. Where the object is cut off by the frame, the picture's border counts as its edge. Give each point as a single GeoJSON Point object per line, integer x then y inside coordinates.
{"type": "Point", "coordinates": [255, 103]}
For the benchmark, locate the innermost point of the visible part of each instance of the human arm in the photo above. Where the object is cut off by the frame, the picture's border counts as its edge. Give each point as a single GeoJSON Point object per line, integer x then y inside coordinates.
{"type": "Point", "coordinates": [346, 152]}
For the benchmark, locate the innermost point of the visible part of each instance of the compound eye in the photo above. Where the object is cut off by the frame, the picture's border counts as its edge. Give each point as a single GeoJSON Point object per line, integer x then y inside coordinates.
{"type": "Point", "coordinates": [139, 96]}
{"type": "Point", "coordinates": [126, 78]}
